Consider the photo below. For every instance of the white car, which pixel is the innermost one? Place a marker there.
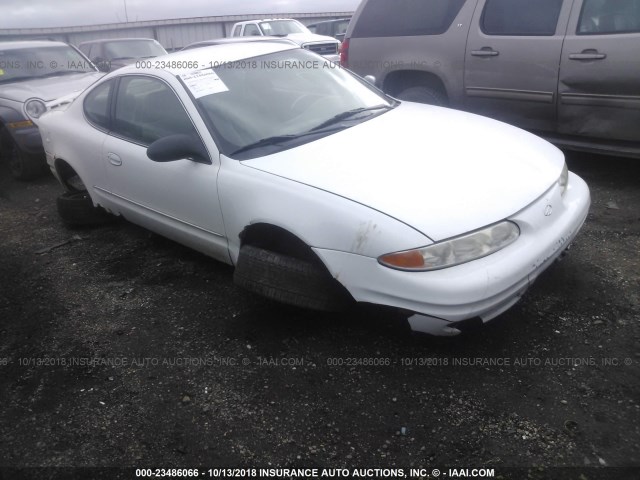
(316, 186)
(293, 30)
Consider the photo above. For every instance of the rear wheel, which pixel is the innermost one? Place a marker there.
(76, 209)
(423, 94)
(289, 280)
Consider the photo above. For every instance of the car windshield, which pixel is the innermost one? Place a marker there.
(281, 27)
(133, 49)
(29, 63)
(274, 102)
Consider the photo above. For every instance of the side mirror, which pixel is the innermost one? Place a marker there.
(178, 147)
(370, 79)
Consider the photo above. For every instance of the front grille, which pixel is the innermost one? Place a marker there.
(322, 48)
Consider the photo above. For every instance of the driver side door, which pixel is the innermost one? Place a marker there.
(177, 199)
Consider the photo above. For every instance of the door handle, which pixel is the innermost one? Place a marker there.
(587, 55)
(485, 52)
(114, 159)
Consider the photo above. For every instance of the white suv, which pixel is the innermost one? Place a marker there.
(328, 47)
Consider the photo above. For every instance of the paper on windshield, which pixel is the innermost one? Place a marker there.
(203, 83)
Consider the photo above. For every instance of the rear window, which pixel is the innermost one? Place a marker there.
(399, 18)
(521, 17)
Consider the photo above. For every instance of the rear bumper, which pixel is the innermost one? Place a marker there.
(482, 288)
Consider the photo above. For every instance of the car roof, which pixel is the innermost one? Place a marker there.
(265, 20)
(335, 20)
(31, 44)
(204, 57)
(109, 40)
(222, 41)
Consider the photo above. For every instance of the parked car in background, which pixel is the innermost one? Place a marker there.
(316, 186)
(223, 41)
(33, 73)
(323, 45)
(111, 54)
(566, 69)
(332, 28)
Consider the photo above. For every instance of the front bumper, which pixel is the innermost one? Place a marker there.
(482, 288)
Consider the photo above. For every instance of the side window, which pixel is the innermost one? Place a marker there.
(97, 104)
(236, 31)
(251, 30)
(147, 109)
(384, 18)
(521, 17)
(609, 16)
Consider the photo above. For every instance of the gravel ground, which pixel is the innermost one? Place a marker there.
(121, 348)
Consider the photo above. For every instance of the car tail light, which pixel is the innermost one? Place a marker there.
(344, 54)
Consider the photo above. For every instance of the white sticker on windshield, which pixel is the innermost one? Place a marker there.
(203, 83)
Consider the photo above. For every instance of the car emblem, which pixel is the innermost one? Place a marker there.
(548, 210)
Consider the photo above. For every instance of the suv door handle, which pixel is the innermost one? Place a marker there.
(485, 52)
(590, 54)
(114, 159)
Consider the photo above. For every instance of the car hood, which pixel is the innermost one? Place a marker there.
(304, 38)
(441, 171)
(49, 88)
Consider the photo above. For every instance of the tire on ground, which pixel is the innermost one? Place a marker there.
(289, 280)
(76, 209)
(422, 94)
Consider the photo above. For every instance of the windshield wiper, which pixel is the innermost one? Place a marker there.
(278, 140)
(349, 113)
(21, 78)
(124, 58)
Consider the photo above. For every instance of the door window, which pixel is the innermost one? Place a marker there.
(382, 18)
(609, 16)
(251, 30)
(521, 17)
(147, 110)
(97, 103)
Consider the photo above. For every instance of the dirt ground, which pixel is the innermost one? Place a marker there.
(121, 348)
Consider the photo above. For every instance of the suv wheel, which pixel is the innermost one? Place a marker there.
(423, 95)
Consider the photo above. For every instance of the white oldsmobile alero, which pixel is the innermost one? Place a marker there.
(316, 186)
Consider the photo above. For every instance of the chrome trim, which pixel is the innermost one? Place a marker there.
(600, 100)
(509, 94)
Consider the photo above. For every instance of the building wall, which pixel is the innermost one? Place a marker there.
(173, 34)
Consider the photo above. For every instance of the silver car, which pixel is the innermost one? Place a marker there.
(31, 74)
(113, 53)
(566, 69)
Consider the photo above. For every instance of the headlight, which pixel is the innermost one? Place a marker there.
(563, 181)
(34, 108)
(454, 251)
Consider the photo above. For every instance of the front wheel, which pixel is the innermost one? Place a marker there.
(289, 280)
(22, 165)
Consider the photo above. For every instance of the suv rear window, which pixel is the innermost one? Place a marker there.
(399, 18)
(521, 17)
